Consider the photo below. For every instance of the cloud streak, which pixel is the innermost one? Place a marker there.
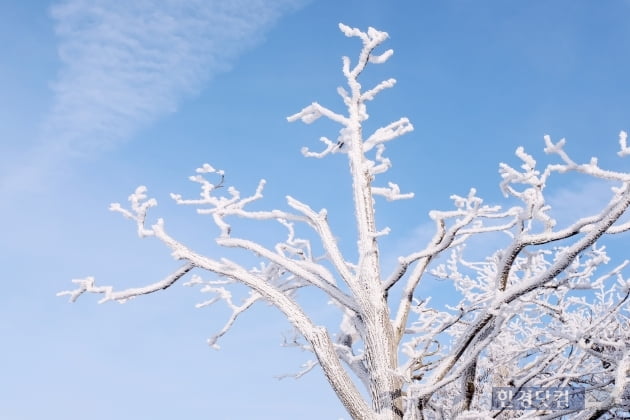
(125, 64)
(571, 203)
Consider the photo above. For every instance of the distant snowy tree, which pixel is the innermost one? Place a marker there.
(540, 311)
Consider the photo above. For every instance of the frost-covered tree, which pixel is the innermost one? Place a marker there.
(540, 311)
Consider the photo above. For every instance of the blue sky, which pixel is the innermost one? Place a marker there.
(98, 97)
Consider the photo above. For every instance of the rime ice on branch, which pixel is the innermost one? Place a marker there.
(522, 320)
(350, 134)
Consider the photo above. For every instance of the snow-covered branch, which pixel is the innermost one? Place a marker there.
(349, 140)
(300, 270)
(87, 285)
(139, 208)
(317, 336)
(539, 310)
(319, 222)
(387, 133)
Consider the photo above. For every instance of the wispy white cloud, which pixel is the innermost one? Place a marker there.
(124, 64)
(570, 203)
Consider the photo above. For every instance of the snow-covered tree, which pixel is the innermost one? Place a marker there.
(540, 311)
